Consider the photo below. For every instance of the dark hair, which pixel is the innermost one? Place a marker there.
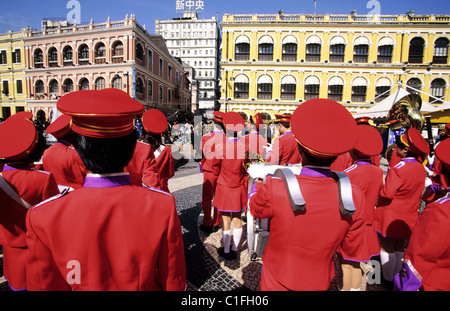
(154, 140)
(285, 124)
(106, 155)
(312, 160)
(36, 154)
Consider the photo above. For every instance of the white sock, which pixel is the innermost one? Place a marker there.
(399, 261)
(226, 238)
(355, 289)
(237, 234)
(388, 263)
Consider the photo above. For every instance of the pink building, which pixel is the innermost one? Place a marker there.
(118, 54)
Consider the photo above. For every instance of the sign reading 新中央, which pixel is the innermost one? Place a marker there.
(190, 5)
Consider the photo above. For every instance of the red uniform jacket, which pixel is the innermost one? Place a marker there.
(142, 167)
(284, 150)
(33, 187)
(230, 195)
(65, 164)
(208, 144)
(369, 178)
(108, 235)
(255, 142)
(299, 254)
(165, 166)
(429, 249)
(397, 208)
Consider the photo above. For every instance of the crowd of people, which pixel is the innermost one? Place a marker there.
(65, 209)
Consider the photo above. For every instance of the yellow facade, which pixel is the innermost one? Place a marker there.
(12, 74)
(340, 77)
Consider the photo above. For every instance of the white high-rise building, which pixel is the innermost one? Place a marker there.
(197, 42)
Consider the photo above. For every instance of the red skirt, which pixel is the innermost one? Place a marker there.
(228, 199)
(394, 225)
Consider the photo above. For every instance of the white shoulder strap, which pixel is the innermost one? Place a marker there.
(346, 204)
(294, 193)
(158, 151)
(10, 192)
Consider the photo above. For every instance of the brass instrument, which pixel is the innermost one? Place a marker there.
(406, 113)
(251, 157)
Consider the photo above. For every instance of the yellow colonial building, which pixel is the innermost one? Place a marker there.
(272, 63)
(13, 91)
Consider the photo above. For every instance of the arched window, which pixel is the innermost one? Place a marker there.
(416, 50)
(265, 48)
(289, 49)
(53, 57)
(414, 85)
(117, 83)
(68, 56)
(68, 86)
(53, 87)
(117, 52)
(84, 84)
(359, 89)
(337, 50)
(335, 88)
(139, 86)
(241, 87)
(242, 51)
(265, 85)
(38, 58)
(139, 55)
(100, 53)
(361, 50)
(312, 87)
(39, 87)
(313, 49)
(440, 51)
(437, 90)
(288, 87)
(100, 83)
(382, 87)
(83, 55)
(385, 49)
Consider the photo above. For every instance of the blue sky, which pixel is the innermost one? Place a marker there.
(17, 14)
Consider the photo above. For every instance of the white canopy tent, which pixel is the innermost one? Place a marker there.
(381, 109)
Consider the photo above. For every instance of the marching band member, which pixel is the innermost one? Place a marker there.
(301, 246)
(399, 202)
(369, 178)
(284, 148)
(61, 159)
(254, 141)
(21, 187)
(109, 234)
(155, 124)
(426, 265)
(210, 169)
(230, 195)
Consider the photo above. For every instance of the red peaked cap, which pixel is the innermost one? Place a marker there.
(154, 121)
(22, 114)
(415, 142)
(218, 116)
(283, 118)
(60, 127)
(369, 142)
(18, 138)
(258, 120)
(443, 153)
(324, 128)
(233, 121)
(107, 113)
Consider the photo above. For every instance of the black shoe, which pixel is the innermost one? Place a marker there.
(227, 256)
(206, 229)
